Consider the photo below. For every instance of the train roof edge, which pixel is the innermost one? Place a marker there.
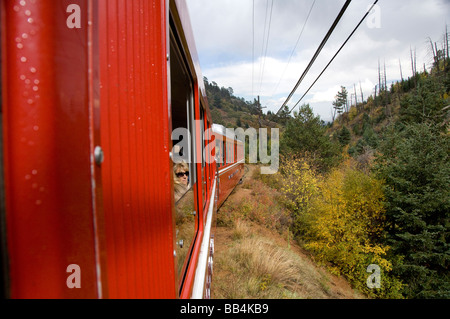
(183, 17)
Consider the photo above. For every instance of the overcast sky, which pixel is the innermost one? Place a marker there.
(223, 31)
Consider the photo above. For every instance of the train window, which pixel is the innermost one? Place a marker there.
(202, 143)
(224, 158)
(240, 151)
(219, 151)
(184, 169)
(230, 151)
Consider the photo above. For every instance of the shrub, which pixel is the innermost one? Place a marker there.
(347, 227)
(340, 218)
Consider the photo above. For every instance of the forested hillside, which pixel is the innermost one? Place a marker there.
(234, 112)
(373, 187)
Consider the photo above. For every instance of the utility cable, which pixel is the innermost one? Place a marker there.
(253, 51)
(267, 45)
(324, 41)
(342, 46)
(295, 47)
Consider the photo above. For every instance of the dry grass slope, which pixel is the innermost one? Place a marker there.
(255, 258)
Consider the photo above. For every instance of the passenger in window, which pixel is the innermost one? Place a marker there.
(181, 178)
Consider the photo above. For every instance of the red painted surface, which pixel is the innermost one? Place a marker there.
(66, 91)
(228, 180)
(137, 189)
(231, 172)
(48, 138)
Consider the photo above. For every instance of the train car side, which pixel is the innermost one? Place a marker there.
(230, 161)
(87, 117)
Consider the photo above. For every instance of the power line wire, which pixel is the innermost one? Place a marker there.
(253, 51)
(342, 46)
(295, 47)
(266, 44)
(324, 41)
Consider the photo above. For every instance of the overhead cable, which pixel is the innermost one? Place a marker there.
(253, 50)
(295, 47)
(324, 41)
(342, 46)
(266, 44)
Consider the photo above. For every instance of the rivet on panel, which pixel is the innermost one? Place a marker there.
(98, 155)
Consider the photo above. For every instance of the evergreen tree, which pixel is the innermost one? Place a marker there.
(305, 134)
(340, 104)
(416, 169)
(284, 115)
(344, 136)
(426, 103)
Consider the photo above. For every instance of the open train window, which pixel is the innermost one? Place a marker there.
(224, 158)
(230, 151)
(183, 155)
(219, 151)
(202, 143)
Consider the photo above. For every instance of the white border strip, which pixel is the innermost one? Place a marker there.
(228, 168)
(200, 273)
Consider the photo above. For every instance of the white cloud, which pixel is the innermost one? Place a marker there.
(223, 32)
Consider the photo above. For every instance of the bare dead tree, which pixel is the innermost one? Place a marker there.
(362, 94)
(379, 76)
(446, 41)
(432, 51)
(400, 64)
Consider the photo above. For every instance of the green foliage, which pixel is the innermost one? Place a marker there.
(340, 103)
(340, 218)
(299, 186)
(305, 134)
(232, 111)
(425, 105)
(344, 136)
(414, 163)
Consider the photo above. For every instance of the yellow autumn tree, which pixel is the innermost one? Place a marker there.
(299, 186)
(346, 228)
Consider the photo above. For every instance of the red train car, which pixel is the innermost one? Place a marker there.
(91, 93)
(230, 161)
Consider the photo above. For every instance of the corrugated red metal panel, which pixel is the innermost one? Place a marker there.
(49, 213)
(228, 179)
(138, 200)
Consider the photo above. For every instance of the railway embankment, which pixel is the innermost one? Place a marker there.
(256, 257)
